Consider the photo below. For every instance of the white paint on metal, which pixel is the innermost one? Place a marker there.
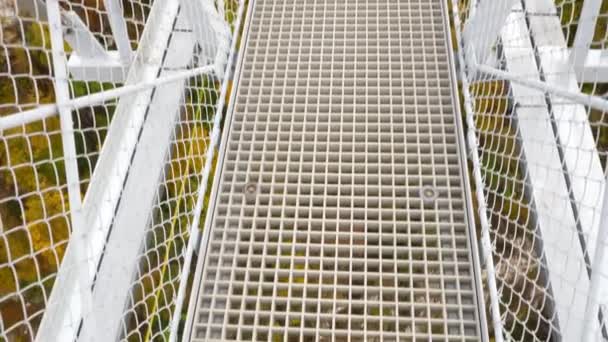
(549, 188)
(201, 247)
(482, 211)
(577, 97)
(595, 69)
(44, 111)
(194, 228)
(119, 30)
(488, 17)
(89, 60)
(142, 157)
(107, 181)
(109, 68)
(578, 143)
(551, 192)
(580, 154)
(596, 292)
(585, 32)
(65, 305)
(34, 8)
(211, 32)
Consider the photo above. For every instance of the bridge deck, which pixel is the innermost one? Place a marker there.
(341, 211)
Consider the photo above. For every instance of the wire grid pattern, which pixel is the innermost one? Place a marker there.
(34, 212)
(31, 178)
(153, 295)
(343, 117)
(95, 17)
(91, 123)
(35, 219)
(543, 166)
(154, 289)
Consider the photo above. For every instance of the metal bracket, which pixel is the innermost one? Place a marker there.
(90, 61)
(490, 17)
(211, 33)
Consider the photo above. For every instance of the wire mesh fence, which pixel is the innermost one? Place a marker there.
(535, 86)
(118, 99)
(154, 290)
(537, 108)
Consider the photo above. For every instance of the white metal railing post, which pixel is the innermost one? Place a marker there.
(472, 144)
(593, 300)
(62, 95)
(194, 230)
(584, 34)
(221, 8)
(119, 30)
(488, 16)
(53, 325)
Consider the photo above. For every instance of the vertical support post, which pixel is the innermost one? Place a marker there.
(63, 314)
(584, 34)
(119, 30)
(593, 300)
(489, 17)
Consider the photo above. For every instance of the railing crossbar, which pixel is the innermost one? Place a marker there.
(45, 111)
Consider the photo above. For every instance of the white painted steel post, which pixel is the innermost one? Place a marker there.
(472, 144)
(593, 300)
(62, 319)
(489, 17)
(584, 34)
(221, 8)
(210, 30)
(45, 111)
(62, 95)
(119, 30)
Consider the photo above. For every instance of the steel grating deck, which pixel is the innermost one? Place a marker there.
(340, 212)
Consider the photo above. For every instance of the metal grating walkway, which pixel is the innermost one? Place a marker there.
(340, 212)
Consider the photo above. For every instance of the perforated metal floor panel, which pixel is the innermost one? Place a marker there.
(340, 212)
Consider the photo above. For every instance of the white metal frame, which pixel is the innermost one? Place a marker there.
(73, 271)
(72, 298)
(119, 30)
(472, 144)
(584, 37)
(547, 67)
(546, 178)
(195, 237)
(90, 61)
(127, 173)
(561, 84)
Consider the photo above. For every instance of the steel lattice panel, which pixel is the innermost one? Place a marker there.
(343, 116)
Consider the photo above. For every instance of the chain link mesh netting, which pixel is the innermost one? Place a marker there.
(542, 156)
(35, 218)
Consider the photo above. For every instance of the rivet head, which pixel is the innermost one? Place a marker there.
(250, 191)
(429, 195)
